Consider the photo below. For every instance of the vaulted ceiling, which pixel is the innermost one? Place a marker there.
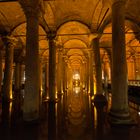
(73, 21)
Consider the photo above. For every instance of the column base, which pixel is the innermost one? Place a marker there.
(120, 117)
(100, 100)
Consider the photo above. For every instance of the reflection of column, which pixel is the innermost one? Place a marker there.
(7, 82)
(1, 69)
(119, 113)
(52, 67)
(32, 83)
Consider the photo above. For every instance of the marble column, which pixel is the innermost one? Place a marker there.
(52, 67)
(99, 99)
(8, 73)
(119, 112)
(32, 83)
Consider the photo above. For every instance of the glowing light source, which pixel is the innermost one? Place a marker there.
(76, 76)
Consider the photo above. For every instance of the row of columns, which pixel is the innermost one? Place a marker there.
(119, 110)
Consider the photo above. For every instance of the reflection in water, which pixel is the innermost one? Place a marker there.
(52, 121)
(76, 117)
(72, 118)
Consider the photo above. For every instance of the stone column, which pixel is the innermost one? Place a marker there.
(91, 74)
(17, 77)
(60, 90)
(105, 79)
(1, 69)
(83, 73)
(119, 113)
(46, 81)
(63, 76)
(87, 75)
(41, 81)
(32, 83)
(99, 98)
(17, 87)
(52, 67)
(7, 82)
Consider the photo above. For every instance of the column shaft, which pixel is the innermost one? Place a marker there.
(59, 72)
(46, 80)
(91, 74)
(98, 70)
(119, 110)
(31, 97)
(52, 68)
(17, 77)
(7, 82)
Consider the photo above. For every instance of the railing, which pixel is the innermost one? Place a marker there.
(134, 82)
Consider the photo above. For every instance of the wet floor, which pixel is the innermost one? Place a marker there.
(73, 117)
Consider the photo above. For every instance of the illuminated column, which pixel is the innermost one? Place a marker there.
(105, 79)
(40, 79)
(7, 82)
(32, 83)
(52, 67)
(60, 91)
(99, 97)
(46, 81)
(22, 75)
(119, 113)
(63, 76)
(87, 75)
(1, 69)
(83, 73)
(91, 74)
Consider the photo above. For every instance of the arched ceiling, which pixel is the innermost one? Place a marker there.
(73, 21)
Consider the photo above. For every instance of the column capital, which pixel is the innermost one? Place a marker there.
(32, 8)
(9, 41)
(51, 35)
(92, 37)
